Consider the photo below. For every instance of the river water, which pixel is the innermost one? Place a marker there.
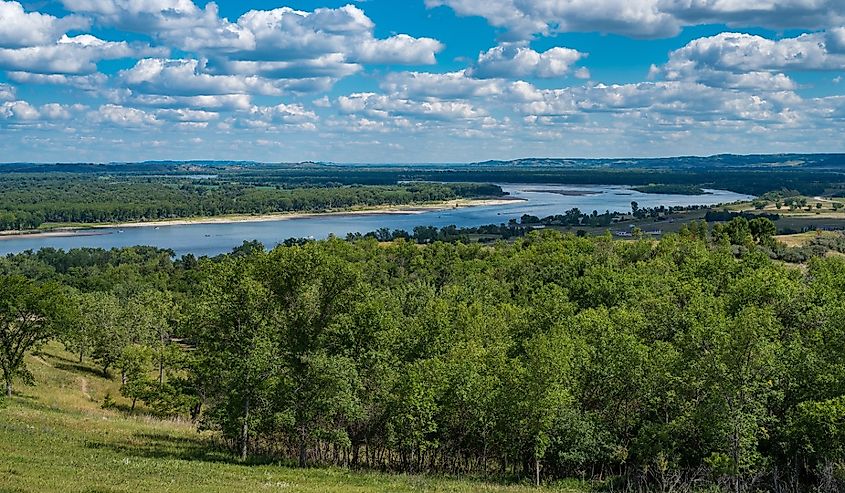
(214, 239)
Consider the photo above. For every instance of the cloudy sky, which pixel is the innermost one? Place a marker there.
(418, 80)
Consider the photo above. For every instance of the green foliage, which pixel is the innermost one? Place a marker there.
(30, 314)
(692, 359)
(135, 366)
(102, 317)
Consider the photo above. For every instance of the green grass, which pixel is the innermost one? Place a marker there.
(55, 437)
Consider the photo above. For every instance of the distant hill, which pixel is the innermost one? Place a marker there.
(720, 161)
(817, 161)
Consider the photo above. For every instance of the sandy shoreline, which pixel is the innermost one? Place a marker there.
(282, 216)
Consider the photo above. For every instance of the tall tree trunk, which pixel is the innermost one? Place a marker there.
(161, 362)
(302, 450)
(537, 472)
(81, 354)
(8, 386)
(195, 412)
(245, 431)
(134, 399)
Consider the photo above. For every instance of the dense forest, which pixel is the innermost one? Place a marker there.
(687, 363)
(28, 201)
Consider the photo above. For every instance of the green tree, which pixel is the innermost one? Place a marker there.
(78, 337)
(312, 287)
(762, 229)
(102, 316)
(135, 364)
(29, 316)
(237, 350)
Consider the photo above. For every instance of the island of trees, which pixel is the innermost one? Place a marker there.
(30, 201)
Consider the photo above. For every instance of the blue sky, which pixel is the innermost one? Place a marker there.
(418, 80)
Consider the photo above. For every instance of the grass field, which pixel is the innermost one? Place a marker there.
(803, 239)
(55, 437)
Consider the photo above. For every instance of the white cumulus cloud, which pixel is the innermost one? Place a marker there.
(70, 55)
(19, 28)
(645, 18)
(512, 60)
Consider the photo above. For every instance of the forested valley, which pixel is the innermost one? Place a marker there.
(692, 363)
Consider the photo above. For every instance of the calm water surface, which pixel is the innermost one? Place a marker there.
(214, 239)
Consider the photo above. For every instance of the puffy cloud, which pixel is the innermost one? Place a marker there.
(177, 22)
(523, 18)
(7, 92)
(224, 102)
(745, 53)
(453, 85)
(55, 111)
(382, 106)
(184, 115)
(281, 115)
(518, 60)
(186, 77)
(645, 18)
(19, 111)
(691, 101)
(284, 113)
(19, 28)
(399, 49)
(122, 116)
(747, 61)
(582, 73)
(70, 55)
(331, 65)
(22, 112)
(341, 36)
(325, 42)
(90, 82)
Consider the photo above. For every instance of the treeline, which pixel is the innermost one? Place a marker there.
(516, 228)
(726, 215)
(650, 174)
(671, 189)
(752, 181)
(692, 362)
(27, 202)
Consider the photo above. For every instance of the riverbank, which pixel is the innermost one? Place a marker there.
(92, 229)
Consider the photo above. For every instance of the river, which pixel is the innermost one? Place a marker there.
(214, 239)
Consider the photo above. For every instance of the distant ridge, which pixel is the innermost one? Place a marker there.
(745, 161)
(820, 161)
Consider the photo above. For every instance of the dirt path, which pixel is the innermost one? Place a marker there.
(43, 361)
(84, 384)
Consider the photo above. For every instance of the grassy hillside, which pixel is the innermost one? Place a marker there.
(55, 436)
